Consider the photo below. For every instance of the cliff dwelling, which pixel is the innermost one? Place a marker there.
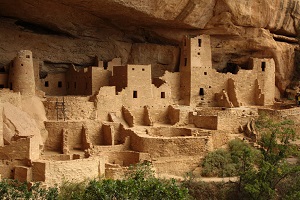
(97, 120)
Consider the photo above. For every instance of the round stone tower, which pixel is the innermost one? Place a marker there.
(21, 73)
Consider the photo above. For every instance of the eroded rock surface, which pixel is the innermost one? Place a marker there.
(18, 124)
(63, 32)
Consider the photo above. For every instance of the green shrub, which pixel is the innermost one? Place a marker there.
(12, 189)
(218, 163)
(229, 162)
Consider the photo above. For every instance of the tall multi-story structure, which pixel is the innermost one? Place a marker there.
(21, 74)
(201, 85)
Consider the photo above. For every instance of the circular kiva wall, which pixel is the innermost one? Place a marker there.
(21, 73)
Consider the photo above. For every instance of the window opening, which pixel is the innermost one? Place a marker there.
(201, 92)
(199, 42)
(263, 66)
(46, 83)
(185, 61)
(162, 95)
(205, 73)
(134, 94)
(132, 69)
(105, 65)
(21, 64)
(27, 56)
(59, 84)
(143, 69)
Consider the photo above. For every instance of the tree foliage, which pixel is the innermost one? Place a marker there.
(261, 181)
(264, 173)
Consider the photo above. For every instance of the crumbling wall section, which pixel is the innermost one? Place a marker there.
(173, 80)
(127, 115)
(55, 135)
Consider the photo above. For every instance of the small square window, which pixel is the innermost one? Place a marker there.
(27, 56)
(162, 95)
(143, 69)
(46, 83)
(205, 73)
(132, 69)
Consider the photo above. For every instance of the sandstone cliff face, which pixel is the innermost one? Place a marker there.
(60, 32)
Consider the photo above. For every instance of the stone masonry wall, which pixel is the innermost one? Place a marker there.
(55, 172)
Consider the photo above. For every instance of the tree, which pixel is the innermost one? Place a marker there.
(260, 181)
